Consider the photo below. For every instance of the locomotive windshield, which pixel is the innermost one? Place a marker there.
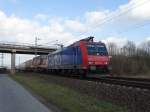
(97, 49)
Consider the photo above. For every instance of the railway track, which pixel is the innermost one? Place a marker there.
(141, 83)
(124, 81)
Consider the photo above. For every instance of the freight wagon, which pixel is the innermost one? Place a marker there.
(26, 66)
(40, 63)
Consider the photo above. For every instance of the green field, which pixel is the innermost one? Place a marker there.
(64, 98)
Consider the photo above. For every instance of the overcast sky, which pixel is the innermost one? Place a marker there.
(70, 20)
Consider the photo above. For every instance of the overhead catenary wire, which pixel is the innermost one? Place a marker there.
(112, 17)
(136, 26)
(50, 42)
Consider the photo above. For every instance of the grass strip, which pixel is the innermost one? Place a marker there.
(67, 99)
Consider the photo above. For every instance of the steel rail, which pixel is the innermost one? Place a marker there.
(131, 78)
(128, 82)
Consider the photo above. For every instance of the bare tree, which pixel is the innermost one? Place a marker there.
(144, 49)
(112, 48)
(129, 48)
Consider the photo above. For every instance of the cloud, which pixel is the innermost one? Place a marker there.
(16, 29)
(136, 9)
(94, 18)
(76, 26)
(41, 17)
(141, 10)
(117, 40)
(21, 30)
(148, 39)
(13, 28)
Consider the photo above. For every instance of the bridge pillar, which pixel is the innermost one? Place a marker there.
(13, 60)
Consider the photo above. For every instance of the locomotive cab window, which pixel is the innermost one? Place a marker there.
(97, 49)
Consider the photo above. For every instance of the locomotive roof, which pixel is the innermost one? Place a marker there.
(87, 40)
(58, 50)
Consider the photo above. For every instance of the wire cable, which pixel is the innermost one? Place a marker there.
(110, 18)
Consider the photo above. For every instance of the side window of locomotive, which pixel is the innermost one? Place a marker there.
(102, 50)
(91, 49)
(96, 49)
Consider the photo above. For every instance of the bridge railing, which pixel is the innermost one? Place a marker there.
(25, 45)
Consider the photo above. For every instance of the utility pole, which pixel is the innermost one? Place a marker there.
(36, 44)
(19, 60)
(2, 59)
(60, 45)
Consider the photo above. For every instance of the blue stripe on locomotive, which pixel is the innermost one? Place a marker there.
(66, 58)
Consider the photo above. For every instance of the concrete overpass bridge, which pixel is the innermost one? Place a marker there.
(14, 49)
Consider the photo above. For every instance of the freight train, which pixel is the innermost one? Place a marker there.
(81, 58)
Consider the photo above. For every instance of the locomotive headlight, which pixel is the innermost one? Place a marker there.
(90, 62)
(106, 62)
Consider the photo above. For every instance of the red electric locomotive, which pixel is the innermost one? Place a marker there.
(82, 57)
(95, 56)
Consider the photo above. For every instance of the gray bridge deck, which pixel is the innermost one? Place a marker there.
(25, 49)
